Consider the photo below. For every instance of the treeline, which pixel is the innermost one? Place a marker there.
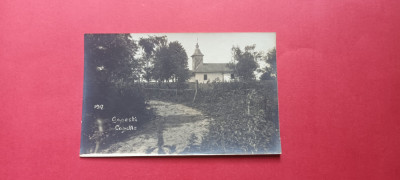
(120, 59)
(164, 61)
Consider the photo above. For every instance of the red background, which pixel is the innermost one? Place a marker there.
(338, 80)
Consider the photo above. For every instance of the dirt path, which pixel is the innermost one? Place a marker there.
(177, 129)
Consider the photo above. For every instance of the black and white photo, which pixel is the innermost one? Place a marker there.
(163, 94)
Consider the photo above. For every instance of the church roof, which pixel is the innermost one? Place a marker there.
(213, 68)
(197, 51)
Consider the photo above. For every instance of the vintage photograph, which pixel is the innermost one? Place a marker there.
(166, 94)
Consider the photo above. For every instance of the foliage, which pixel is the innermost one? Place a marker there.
(164, 61)
(245, 62)
(266, 76)
(149, 46)
(163, 65)
(171, 62)
(232, 128)
(151, 43)
(270, 58)
(110, 69)
(180, 62)
(110, 58)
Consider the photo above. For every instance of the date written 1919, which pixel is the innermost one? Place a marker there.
(99, 106)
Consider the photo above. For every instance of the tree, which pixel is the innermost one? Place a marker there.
(180, 62)
(245, 62)
(171, 62)
(163, 64)
(270, 59)
(110, 58)
(149, 46)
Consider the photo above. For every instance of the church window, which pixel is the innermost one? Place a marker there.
(205, 76)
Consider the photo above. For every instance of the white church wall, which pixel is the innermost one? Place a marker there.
(211, 77)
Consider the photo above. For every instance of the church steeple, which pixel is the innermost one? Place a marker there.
(197, 57)
(197, 51)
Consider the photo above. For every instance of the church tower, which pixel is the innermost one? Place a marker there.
(197, 57)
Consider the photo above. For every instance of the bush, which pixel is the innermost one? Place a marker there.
(233, 129)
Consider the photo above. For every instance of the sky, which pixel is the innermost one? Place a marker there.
(216, 47)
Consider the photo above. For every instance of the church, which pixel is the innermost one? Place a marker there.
(209, 72)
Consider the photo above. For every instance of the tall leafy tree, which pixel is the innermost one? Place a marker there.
(149, 46)
(180, 62)
(171, 63)
(163, 64)
(245, 62)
